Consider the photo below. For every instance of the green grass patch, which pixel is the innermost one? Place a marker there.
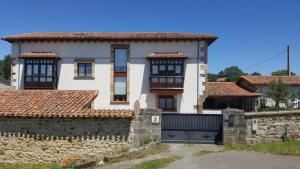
(160, 148)
(282, 148)
(157, 163)
(202, 153)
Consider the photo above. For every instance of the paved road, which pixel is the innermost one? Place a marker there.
(238, 160)
(218, 160)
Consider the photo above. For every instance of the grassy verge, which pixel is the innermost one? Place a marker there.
(157, 163)
(282, 148)
(153, 150)
(202, 153)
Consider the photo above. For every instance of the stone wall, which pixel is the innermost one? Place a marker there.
(234, 126)
(31, 140)
(144, 129)
(272, 126)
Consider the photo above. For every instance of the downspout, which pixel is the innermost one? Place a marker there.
(198, 57)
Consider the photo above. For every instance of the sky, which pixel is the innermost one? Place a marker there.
(253, 34)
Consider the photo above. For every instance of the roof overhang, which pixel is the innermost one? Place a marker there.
(48, 55)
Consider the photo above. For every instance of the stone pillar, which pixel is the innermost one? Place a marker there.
(234, 126)
(146, 127)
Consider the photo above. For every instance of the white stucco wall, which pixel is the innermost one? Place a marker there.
(139, 70)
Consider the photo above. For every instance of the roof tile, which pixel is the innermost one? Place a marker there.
(227, 89)
(54, 103)
(110, 36)
(264, 80)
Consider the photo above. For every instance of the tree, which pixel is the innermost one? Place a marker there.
(212, 77)
(256, 74)
(279, 92)
(233, 73)
(6, 67)
(282, 72)
(221, 74)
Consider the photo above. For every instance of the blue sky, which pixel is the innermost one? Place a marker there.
(249, 32)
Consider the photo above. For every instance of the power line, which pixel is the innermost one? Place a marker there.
(266, 60)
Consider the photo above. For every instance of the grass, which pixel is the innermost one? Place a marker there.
(282, 148)
(141, 154)
(202, 153)
(157, 163)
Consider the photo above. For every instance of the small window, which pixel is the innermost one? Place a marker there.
(84, 69)
(167, 103)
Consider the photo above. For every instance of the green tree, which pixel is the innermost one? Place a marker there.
(282, 72)
(233, 73)
(221, 74)
(256, 74)
(212, 77)
(6, 67)
(279, 92)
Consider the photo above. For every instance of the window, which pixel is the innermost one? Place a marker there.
(120, 89)
(120, 60)
(40, 73)
(166, 103)
(84, 69)
(120, 73)
(166, 73)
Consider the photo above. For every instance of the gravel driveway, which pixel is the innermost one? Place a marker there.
(218, 160)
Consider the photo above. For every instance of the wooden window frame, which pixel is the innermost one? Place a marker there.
(39, 84)
(166, 74)
(119, 73)
(174, 103)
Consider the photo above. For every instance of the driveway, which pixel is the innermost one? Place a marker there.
(218, 160)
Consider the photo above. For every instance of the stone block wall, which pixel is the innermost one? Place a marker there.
(234, 126)
(32, 140)
(272, 126)
(46, 140)
(144, 130)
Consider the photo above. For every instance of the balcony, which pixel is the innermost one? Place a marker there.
(166, 82)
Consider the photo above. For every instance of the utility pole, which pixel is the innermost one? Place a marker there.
(288, 61)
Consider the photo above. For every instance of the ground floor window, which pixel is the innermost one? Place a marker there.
(166, 102)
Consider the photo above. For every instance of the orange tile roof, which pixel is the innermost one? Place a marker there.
(53, 103)
(227, 89)
(264, 80)
(166, 36)
(39, 55)
(167, 55)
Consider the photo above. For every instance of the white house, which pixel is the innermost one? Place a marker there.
(259, 84)
(162, 70)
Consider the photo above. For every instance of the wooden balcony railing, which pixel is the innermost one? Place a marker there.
(165, 82)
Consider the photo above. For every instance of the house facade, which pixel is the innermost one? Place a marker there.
(260, 84)
(160, 70)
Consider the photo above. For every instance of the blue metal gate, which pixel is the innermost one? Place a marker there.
(192, 128)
